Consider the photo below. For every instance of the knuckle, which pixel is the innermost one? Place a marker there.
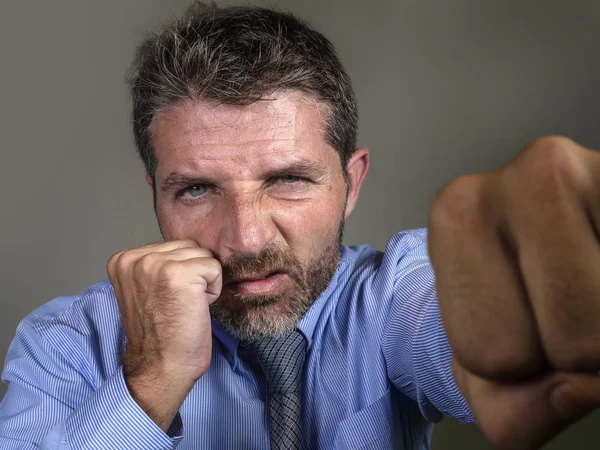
(553, 142)
(458, 203)
(207, 253)
(201, 252)
(553, 163)
(122, 262)
(169, 271)
(212, 270)
(113, 258)
(145, 265)
(112, 262)
(189, 243)
(213, 264)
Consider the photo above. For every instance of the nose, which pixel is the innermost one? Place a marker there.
(247, 228)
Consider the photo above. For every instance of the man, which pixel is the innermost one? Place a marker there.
(252, 326)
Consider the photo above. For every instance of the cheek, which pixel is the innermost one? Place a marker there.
(180, 222)
(309, 225)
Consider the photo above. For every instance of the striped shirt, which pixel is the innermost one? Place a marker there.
(377, 373)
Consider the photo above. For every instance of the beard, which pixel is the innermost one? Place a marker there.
(251, 318)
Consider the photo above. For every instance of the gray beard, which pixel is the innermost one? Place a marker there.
(252, 318)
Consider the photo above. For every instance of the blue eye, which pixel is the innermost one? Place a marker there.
(197, 190)
(289, 179)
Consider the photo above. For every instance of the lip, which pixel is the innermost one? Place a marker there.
(258, 286)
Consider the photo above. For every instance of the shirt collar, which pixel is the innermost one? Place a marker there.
(228, 340)
(306, 325)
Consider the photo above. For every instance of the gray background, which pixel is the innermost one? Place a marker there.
(445, 87)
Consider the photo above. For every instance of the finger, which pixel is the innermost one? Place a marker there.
(179, 254)
(128, 257)
(525, 415)
(576, 395)
(591, 187)
(111, 270)
(203, 270)
(481, 296)
(163, 265)
(120, 263)
(515, 416)
(545, 216)
(167, 246)
(123, 262)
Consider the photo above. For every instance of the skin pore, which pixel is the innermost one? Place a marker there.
(259, 187)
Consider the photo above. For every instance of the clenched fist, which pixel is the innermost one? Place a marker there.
(164, 292)
(516, 254)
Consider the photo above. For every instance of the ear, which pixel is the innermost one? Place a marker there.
(358, 167)
(150, 182)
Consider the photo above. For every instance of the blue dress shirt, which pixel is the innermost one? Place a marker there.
(377, 374)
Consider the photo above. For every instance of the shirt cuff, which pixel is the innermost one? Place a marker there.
(110, 419)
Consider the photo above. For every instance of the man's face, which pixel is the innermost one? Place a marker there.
(259, 187)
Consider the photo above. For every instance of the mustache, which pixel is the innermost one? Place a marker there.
(273, 258)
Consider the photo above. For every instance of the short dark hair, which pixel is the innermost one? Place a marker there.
(239, 55)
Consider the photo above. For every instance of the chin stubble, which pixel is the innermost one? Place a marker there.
(254, 317)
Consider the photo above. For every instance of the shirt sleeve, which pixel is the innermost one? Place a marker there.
(414, 342)
(51, 403)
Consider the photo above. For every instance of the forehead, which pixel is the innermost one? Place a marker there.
(203, 135)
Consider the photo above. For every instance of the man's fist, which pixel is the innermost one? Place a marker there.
(517, 259)
(164, 292)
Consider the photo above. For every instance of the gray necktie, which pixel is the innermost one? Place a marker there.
(281, 360)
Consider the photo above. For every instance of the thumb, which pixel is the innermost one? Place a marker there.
(576, 395)
(526, 414)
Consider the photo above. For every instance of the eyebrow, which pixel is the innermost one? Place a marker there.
(302, 168)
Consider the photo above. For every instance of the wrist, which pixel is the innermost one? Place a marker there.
(137, 365)
(158, 394)
(158, 381)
